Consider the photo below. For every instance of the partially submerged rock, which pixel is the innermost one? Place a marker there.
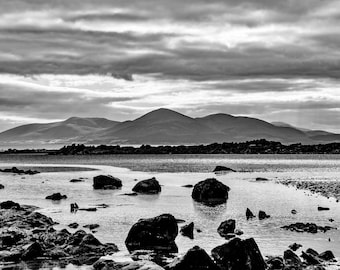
(263, 215)
(148, 186)
(249, 214)
(106, 182)
(2, 186)
(226, 228)
(56, 197)
(188, 230)
(321, 208)
(239, 254)
(261, 179)
(158, 233)
(77, 180)
(103, 264)
(91, 226)
(9, 205)
(295, 246)
(210, 192)
(73, 225)
(223, 169)
(195, 259)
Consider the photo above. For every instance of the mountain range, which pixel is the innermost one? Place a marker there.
(163, 126)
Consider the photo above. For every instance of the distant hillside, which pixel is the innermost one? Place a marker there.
(164, 126)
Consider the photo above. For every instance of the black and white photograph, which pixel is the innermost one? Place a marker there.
(169, 134)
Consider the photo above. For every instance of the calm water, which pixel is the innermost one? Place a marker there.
(173, 171)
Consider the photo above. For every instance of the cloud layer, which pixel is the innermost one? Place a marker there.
(276, 60)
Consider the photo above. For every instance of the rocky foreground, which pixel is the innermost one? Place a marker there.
(27, 236)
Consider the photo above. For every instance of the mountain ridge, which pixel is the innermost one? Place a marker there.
(164, 126)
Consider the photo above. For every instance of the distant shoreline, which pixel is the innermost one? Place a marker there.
(250, 147)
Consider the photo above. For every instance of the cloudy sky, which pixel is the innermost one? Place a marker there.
(274, 60)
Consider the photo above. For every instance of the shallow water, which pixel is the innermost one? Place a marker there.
(277, 200)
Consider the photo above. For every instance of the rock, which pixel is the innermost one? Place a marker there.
(130, 194)
(76, 180)
(32, 251)
(275, 263)
(188, 186)
(291, 259)
(89, 239)
(73, 225)
(226, 227)
(188, 230)
(156, 233)
(2, 186)
(312, 252)
(295, 246)
(223, 169)
(56, 197)
(195, 259)
(239, 254)
(89, 209)
(310, 259)
(210, 192)
(103, 264)
(9, 205)
(238, 232)
(249, 214)
(320, 208)
(327, 255)
(261, 179)
(294, 212)
(306, 227)
(106, 182)
(91, 226)
(263, 215)
(148, 186)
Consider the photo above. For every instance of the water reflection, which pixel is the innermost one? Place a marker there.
(210, 212)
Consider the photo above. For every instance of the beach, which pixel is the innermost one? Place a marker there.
(173, 172)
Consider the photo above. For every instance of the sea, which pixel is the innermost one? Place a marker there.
(174, 171)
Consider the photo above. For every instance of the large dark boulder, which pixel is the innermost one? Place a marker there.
(106, 182)
(291, 259)
(156, 234)
(148, 186)
(226, 227)
(195, 259)
(9, 205)
(2, 186)
(239, 254)
(263, 215)
(249, 214)
(223, 169)
(327, 255)
(210, 192)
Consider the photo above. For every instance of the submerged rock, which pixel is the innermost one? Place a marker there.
(56, 197)
(195, 259)
(106, 182)
(156, 233)
(210, 192)
(239, 254)
(188, 230)
(148, 186)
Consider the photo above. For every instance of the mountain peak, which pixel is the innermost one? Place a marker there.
(163, 114)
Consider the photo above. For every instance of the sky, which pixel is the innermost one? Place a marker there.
(119, 59)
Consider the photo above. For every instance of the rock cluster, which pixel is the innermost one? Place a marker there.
(307, 227)
(27, 235)
(18, 171)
